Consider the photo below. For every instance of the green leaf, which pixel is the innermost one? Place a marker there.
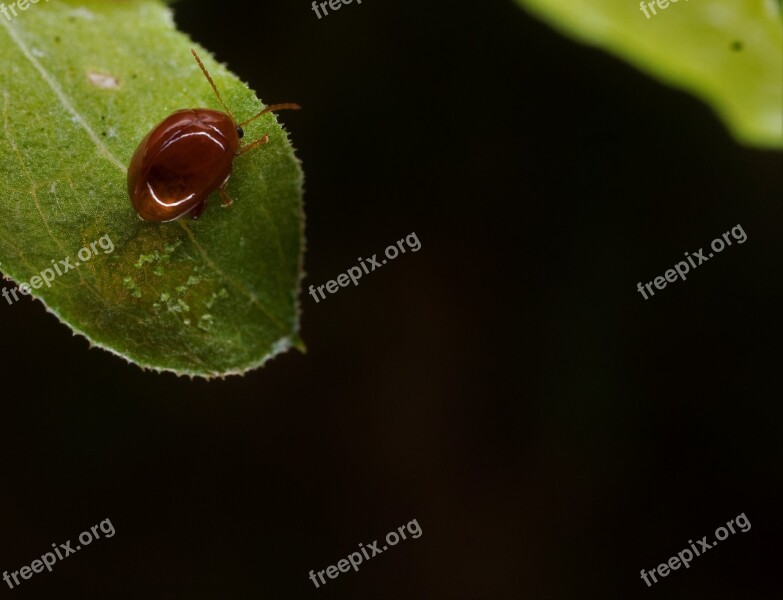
(727, 52)
(81, 84)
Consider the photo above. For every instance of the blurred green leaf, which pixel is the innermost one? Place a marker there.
(727, 52)
(81, 83)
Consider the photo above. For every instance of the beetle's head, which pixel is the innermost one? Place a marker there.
(240, 132)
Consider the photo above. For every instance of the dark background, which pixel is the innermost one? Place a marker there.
(507, 386)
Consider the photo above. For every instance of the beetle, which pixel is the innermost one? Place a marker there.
(188, 156)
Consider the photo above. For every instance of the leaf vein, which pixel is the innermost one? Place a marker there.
(102, 149)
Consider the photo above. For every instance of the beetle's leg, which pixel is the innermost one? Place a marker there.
(227, 201)
(223, 193)
(253, 145)
(195, 213)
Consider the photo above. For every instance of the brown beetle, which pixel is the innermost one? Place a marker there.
(187, 157)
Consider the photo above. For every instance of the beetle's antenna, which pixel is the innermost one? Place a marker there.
(273, 108)
(212, 83)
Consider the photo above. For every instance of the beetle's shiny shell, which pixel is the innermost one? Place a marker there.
(181, 162)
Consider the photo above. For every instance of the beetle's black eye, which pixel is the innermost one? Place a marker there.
(240, 132)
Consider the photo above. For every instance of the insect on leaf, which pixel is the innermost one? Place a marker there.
(82, 82)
